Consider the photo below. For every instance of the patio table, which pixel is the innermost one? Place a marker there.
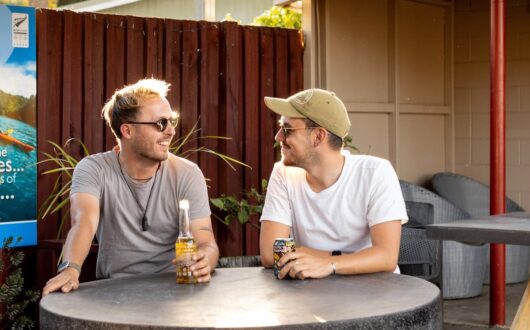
(247, 298)
(509, 228)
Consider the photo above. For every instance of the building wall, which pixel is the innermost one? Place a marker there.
(390, 61)
(241, 10)
(472, 103)
(176, 9)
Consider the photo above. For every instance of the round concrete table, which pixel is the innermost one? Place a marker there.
(247, 298)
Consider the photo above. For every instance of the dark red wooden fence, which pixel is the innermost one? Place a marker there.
(219, 74)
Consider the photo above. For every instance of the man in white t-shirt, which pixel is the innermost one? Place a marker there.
(344, 211)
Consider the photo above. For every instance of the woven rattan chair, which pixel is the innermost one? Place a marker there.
(463, 264)
(474, 198)
(419, 256)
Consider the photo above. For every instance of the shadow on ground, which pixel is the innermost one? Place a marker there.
(473, 313)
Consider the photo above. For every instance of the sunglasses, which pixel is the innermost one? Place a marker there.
(161, 124)
(286, 131)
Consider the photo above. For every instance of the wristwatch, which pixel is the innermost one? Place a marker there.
(336, 253)
(68, 264)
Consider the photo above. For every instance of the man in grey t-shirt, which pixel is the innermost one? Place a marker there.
(128, 197)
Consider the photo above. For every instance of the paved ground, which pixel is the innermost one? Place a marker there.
(473, 313)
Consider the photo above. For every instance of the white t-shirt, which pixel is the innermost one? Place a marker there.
(338, 218)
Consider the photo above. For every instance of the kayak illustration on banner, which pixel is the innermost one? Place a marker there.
(19, 144)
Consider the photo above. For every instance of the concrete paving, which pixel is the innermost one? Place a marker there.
(473, 313)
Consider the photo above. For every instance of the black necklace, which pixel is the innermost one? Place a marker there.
(144, 223)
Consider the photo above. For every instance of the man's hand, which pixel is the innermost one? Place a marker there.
(201, 267)
(304, 265)
(66, 281)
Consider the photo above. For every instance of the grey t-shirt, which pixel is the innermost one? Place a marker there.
(124, 248)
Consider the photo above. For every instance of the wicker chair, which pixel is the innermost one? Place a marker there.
(419, 256)
(474, 198)
(463, 264)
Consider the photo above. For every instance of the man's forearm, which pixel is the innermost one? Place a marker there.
(370, 260)
(77, 245)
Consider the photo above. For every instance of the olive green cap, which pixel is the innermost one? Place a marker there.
(321, 106)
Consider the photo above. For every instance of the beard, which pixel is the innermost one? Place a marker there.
(300, 157)
(154, 156)
(150, 152)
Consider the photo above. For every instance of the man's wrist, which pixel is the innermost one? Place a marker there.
(68, 264)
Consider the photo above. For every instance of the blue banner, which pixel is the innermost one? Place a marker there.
(18, 124)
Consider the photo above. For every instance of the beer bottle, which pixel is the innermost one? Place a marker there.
(185, 246)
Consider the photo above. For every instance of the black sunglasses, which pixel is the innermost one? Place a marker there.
(286, 130)
(161, 124)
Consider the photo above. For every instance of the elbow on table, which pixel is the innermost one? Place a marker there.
(390, 263)
(390, 267)
(267, 260)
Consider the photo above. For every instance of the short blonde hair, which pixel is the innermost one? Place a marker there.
(123, 106)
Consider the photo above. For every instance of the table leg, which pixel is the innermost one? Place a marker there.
(522, 317)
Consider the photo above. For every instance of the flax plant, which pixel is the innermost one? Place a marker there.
(64, 164)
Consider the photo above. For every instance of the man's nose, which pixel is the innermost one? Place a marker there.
(170, 130)
(279, 136)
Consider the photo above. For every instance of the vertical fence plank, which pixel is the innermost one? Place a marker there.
(296, 69)
(72, 79)
(155, 48)
(281, 60)
(173, 64)
(93, 83)
(49, 87)
(114, 62)
(209, 106)
(135, 61)
(252, 128)
(72, 84)
(190, 81)
(267, 118)
(232, 119)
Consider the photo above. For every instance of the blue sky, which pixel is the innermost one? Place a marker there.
(18, 69)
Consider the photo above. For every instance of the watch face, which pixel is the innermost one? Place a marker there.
(62, 266)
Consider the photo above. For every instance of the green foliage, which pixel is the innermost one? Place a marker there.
(63, 165)
(230, 18)
(12, 293)
(18, 107)
(348, 143)
(241, 209)
(51, 3)
(178, 147)
(279, 17)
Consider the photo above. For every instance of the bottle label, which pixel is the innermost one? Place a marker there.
(185, 247)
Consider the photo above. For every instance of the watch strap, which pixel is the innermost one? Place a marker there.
(336, 253)
(68, 264)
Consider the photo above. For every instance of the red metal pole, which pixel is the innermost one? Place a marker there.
(497, 158)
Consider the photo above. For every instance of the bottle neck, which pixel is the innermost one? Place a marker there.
(184, 223)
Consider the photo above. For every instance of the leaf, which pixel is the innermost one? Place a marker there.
(264, 184)
(218, 202)
(228, 219)
(242, 216)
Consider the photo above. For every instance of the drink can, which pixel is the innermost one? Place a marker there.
(281, 246)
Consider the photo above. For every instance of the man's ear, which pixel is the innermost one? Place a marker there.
(320, 136)
(125, 131)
